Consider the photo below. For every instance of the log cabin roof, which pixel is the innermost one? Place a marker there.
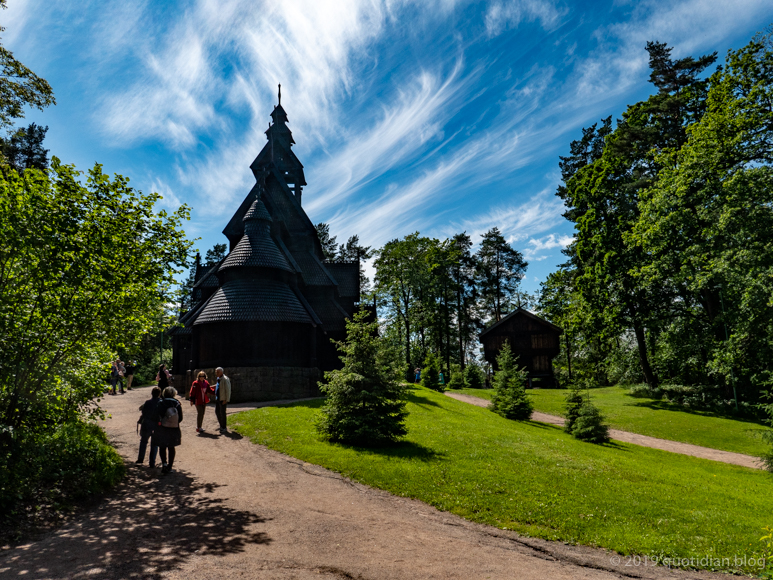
(522, 312)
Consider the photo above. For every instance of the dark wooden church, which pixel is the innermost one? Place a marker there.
(267, 311)
(533, 340)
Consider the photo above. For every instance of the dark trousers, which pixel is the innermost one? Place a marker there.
(162, 451)
(144, 436)
(220, 409)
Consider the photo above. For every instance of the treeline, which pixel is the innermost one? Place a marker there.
(435, 296)
(669, 279)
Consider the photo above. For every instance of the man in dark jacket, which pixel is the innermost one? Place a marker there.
(147, 425)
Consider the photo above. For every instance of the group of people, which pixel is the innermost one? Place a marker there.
(163, 413)
(119, 371)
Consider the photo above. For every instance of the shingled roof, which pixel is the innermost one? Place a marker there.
(254, 300)
(347, 275)
(256, 248)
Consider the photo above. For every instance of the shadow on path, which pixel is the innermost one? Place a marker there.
(150, 525)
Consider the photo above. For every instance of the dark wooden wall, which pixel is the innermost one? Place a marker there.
(535, 344)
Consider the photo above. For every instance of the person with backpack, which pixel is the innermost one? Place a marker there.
(147, 425)
(199, 396)
(167, 434)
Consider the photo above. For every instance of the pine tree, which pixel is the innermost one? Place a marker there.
(456, 381)
(574, 402)
(328, 242)
(589, 425)
(510, 399)
(473, 377)
(430, 374)
(365, 404)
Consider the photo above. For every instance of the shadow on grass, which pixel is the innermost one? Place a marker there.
(659, 405)
(416, 398)
(148, 526)
(400, 450)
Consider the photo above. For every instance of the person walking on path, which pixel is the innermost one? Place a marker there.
(417, 372)
(131, 368)
(222, 396)
(199, 396)
(163, 377)
(167, 435)
(116, 376)
(147, 425)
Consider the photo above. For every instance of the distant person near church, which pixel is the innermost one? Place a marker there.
(167, 434)
(147, 425)
(131, 368)
(199, 396)
(222, 396)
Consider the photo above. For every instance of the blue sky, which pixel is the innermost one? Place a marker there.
(439, 116)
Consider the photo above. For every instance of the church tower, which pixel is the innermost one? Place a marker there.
(268, 311)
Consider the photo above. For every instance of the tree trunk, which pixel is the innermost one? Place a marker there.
(641, 343)
(459, 325)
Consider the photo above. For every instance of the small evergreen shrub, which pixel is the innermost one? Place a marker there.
(430, 374)
(365, 403)
(457, 378)
(589, 425)
(510, 399)
(573, 403)
(473, 377)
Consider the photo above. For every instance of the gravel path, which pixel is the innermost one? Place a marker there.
(232, 509)
(636, 439)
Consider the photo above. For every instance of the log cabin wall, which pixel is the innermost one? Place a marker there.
(533, 340)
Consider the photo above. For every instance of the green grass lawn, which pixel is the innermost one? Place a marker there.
(656, 418)
(536, 480)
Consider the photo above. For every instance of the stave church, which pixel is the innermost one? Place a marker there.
(266, 313)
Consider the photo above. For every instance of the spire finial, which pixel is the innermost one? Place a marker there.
(280, 93)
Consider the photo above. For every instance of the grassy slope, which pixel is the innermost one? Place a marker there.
(655, 418)
(536, 480)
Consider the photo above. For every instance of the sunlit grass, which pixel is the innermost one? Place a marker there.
(535, 479)
(655, 418)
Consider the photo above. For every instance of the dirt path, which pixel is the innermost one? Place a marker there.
(237, 510)
(636, 439)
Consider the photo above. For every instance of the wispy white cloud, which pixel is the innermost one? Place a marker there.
(506, 14)
(516, 221)
(688, 26)
(168, 198)
(536, 248)
(414, 118)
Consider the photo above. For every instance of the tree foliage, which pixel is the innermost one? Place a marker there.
(365, 404)
(19, 87)
(23, 149)
(500, 269)
(669, 276)
(430, 373)
(436, 295)
(65, 298)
